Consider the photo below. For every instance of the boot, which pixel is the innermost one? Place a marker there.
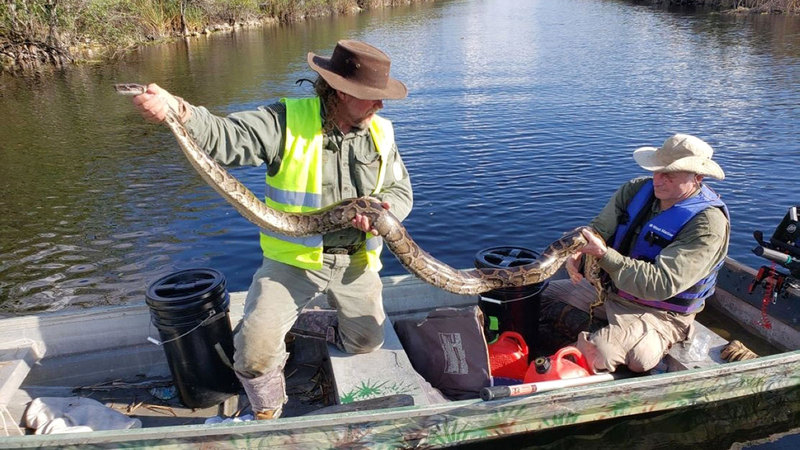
(266, 393)
(736, 351)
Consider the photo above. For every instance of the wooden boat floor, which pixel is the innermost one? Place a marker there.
(308, 385)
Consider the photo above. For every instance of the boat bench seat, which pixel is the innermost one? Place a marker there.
(381, 373)
(15, 363)
(702, 349)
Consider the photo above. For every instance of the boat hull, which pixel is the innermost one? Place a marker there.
(437, 425)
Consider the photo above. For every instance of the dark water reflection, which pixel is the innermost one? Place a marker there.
(730, 424)
(520, 124)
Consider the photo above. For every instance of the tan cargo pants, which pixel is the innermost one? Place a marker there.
(276, 296)
(636, 336)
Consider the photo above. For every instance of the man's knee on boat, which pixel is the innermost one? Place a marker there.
(362, 335)
(647, 353)
(254, 361)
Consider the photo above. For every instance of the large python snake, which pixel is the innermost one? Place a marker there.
(340, 215)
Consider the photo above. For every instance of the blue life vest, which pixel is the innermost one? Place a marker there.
(658, 233)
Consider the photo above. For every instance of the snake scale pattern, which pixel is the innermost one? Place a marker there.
(340, 215)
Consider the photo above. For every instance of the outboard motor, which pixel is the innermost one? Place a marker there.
(783, 249)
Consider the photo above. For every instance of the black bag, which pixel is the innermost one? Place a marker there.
(449, 350)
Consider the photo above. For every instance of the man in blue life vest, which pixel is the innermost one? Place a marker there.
(318, 151)
(664, 239)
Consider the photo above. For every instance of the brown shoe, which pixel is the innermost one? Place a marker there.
(736, 351)
(268, 414)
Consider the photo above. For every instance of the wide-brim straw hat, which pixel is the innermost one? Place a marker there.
(680, 153)
(358, 69)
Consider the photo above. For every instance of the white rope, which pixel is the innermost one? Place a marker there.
(211, 315)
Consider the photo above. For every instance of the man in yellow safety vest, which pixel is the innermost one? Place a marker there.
(318, 151)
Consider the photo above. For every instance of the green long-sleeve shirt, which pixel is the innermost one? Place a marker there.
(697, 248)
(350, 161)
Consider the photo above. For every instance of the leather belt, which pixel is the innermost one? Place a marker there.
(342, 249)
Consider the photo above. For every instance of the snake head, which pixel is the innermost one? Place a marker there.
(130, 88)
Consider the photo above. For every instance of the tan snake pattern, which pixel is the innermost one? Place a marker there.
(340, 215)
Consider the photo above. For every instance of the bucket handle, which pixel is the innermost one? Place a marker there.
(223, 356)
(211, 317)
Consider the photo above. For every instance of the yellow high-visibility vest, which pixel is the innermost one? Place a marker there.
(297, 186)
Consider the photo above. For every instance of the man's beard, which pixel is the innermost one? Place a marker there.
(364, 123)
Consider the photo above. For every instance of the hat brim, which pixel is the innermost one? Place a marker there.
(394, 89)
(646, 158)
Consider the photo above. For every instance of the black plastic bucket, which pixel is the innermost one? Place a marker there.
(190, 310)
(514, 308)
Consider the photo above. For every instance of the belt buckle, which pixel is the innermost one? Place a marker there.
(342, 250)
(337, 251)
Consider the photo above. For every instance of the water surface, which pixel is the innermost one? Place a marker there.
(520, 123)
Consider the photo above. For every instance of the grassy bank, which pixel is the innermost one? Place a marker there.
(37, 34)
(740, 6)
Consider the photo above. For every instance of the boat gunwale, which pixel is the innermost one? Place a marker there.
(782, 366)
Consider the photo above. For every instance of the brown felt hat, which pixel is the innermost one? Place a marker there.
(360, 70)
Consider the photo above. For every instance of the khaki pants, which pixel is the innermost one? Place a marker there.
(637, 336)
(278, 293)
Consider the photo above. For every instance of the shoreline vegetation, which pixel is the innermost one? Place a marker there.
(38, 35)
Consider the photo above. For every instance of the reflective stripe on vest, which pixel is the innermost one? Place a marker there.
(297, 186)
(383, 136)
(658, 233)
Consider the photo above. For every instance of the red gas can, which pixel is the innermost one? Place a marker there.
(568, 362)
(508, 356)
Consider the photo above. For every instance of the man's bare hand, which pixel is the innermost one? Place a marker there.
(573, 265)
(154, 103)
(595, 246)
(362, 222)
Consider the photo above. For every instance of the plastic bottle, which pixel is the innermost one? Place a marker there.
(698, 350)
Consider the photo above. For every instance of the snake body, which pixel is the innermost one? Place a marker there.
(340, 215)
